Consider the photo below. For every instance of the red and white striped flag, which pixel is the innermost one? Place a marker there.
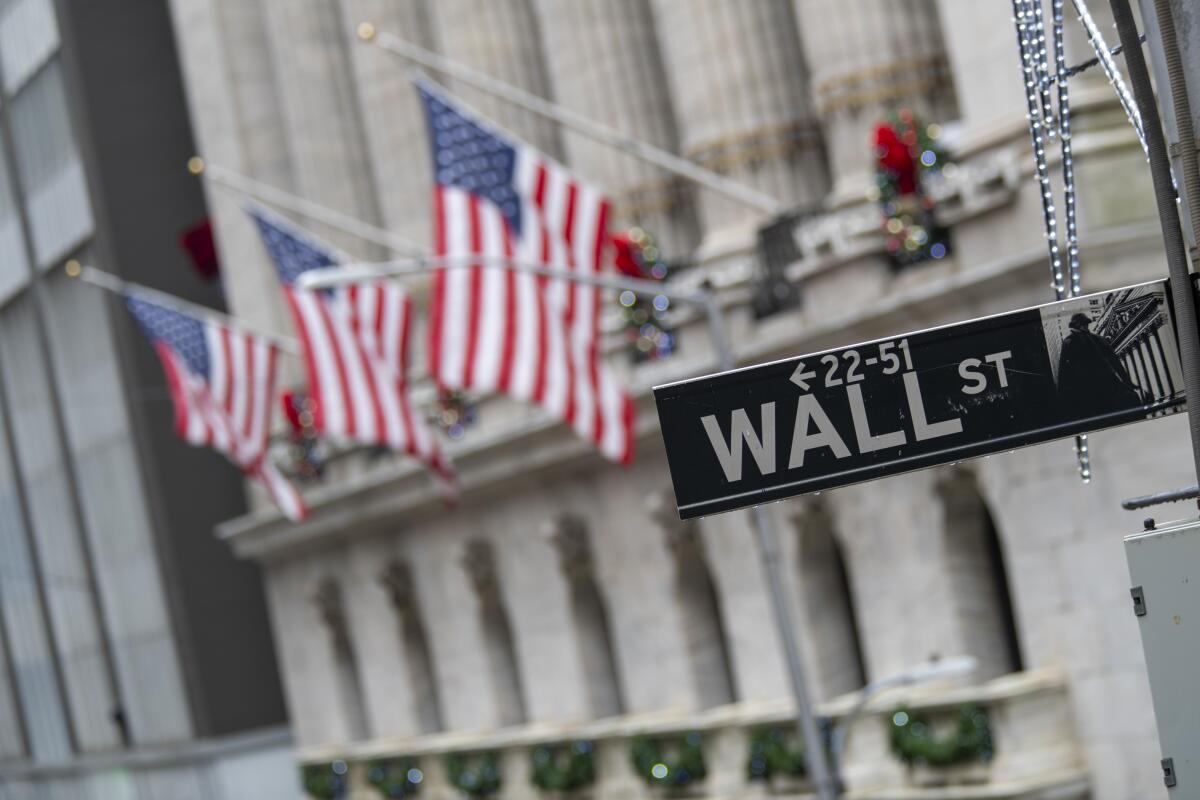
(355, 342)
(222, 384)
(493, 329)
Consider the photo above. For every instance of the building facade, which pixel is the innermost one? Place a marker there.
(135, 659)
(563, 600)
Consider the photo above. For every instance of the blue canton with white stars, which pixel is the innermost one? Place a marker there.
(183, 334)
(467, 156)
(292, 255)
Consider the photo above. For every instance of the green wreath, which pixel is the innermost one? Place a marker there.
(657, 769)
(395, 777)
(475, 774)
(912, 739)
(773, 752)
(563, 768)
(324, 781)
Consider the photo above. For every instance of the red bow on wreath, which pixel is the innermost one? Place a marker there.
(895, 155)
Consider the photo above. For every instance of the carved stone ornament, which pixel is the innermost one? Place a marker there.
(568, 534)
(396, 580)
(677, 533)
(478, 561)
(326, 596)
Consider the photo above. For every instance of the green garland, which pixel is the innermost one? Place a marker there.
(657, 769)
(324, 781)
(913, 743)
(395, 777)
(475, 774)
(563, 768)
(774, 752)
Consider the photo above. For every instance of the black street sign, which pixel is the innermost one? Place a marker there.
(854, 414)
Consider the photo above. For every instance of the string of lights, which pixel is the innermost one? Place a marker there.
(1042, 65)
(1035, 71)
(1069, 206)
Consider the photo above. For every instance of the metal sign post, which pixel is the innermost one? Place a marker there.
(830, 419)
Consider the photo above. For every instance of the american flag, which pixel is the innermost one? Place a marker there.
(493, 329)
(222, 384)
(355, 343)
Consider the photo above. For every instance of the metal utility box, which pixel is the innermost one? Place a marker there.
(1164, 564)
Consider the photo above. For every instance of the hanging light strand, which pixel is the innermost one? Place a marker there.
(1109, 65)
(1036, 84)
(1082, 456)
(1041, 63)
(1026, 46)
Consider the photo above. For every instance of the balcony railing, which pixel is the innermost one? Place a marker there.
(1012, 737)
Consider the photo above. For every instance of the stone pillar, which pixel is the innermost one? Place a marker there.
(237, 119)
(318, 96)
(589, 615)
(391, 112)
(605, 63)
(508, 690)
(739, 85)
(895, 532)
(424, 699)
(820, 580)
(501, 39)
(866, 58)
(700, 612)
(326, 598)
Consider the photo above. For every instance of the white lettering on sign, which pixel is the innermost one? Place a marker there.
(808, 409)
(998, 360)
(968, 370)
(916, 406)
(814, 429)
(867, 442)
(740, 430)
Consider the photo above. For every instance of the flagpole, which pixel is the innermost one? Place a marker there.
(668, 161)
(111, 283)
(223, 176)
(358, 272)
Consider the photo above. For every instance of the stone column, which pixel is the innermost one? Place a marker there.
(589, 615)
(391, 113)
(700, 613)
(605, 63)
(866, 58)
(500, 38)
(897, 533)
(508, 689)
(739, 86)
(318, 96)
(326, 598)
(237, 119)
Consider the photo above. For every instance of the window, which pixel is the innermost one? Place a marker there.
(14, 264)
(28, 38)
(51, 171)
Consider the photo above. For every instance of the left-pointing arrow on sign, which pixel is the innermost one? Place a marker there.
(800, 377)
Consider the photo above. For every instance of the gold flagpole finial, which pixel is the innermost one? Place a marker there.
(73, 269)
(366, 31)
(195, 165)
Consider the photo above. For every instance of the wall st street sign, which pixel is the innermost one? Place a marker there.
(854, 414)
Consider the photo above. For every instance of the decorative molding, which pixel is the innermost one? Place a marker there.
(568, 533)
(678, 534)
(396, 579)
(479, 562)
(326, 597)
